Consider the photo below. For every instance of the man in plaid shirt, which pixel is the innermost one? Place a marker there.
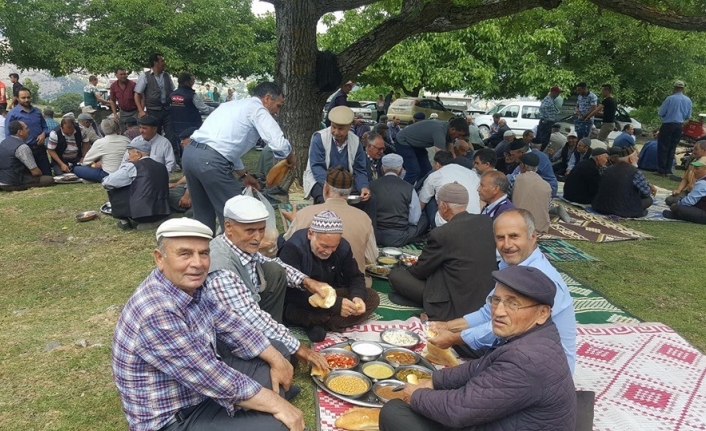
(547, 116)
(165, 363)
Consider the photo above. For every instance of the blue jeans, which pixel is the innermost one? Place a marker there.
(582, 128)
(416, 162)
(91, 174)
(211, 182)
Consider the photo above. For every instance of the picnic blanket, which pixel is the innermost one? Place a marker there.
(585, 226)
(561, 251)
(654, 212)
(645, 376)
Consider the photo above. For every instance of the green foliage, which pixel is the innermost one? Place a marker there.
(212, 39)
(66, 102)
(33, 87)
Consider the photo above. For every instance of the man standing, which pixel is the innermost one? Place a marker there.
(165, 346)
(412, 143)
(38, 131)
(516, 240)
(399, 219)
(336, 146)
(18, 169)
(474, 133)
(388, 101)
(586, 104)
(160, 147)
(609, 107)
(339, 98)
(493, 190)
(452, 276)
(252, 285)
(674, 111)
(322, 253)
(393, 127)
(228, 133)
(93, 98)
(547, 116)
(122, 99)
(152, 96)
(16, 87)
(187, 107)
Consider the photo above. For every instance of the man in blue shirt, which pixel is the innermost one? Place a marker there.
(516, 241)
(647, 160)
(692, 207)
(674, 111)
(38, 131)
(627, 138)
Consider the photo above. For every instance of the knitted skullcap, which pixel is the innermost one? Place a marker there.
(339, 178)
(327, 222)
(453, 193)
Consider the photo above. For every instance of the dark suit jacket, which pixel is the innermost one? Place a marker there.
(456, 263)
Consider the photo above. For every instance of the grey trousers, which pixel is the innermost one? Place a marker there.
(211, 182)
(29, 182)
(211, 416)
(671, 200)
(398, 238)
(272, 297)
(175, 195)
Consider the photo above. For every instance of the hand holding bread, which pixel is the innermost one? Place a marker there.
(316, 300)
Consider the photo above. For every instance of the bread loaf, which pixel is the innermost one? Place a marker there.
(439, 356)
(359, 419)
(317, 301)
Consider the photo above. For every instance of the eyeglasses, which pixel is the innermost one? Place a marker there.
(380, 148)
(510, 304)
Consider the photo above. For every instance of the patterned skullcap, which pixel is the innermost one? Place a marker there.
(339, 178)
(327, 222)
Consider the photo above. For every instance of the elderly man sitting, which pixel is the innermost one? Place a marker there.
(66, 146)
(531, 192)
(139, 190)
(88, 127)
(357, 227)
(324, 255)
(105, 155)
(581, 153)
(624, 190)
(582, 185)
(692, 207)
(516, 240)
(524, 383)
(493, 190)
(452, 275)
(250, 284)
(160, 148)
(18, 169)
(446, 172)
(165, 364)
(399, 219)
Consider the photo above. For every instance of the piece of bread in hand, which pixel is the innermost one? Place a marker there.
(439, 356)
(319, 372)
(359, 419)
(317, 301)
(277, 173)
(412, 379)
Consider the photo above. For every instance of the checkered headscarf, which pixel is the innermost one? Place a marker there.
(327, 222)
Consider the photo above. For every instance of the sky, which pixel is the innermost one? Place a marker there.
(261, 7)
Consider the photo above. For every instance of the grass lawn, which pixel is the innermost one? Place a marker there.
(63, 279)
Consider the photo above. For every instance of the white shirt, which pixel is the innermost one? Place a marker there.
(109, 150)
(160, 151)
(234, 128)
(446, 175)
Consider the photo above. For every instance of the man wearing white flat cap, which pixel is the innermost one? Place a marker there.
(254, 285)
(165, 364)
(399, 217)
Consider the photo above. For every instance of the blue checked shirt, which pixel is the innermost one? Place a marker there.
(164, 353)
(641, 183)
(548, 110)
(229, 290)
(586, 104)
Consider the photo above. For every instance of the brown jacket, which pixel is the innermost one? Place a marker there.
(533, 194)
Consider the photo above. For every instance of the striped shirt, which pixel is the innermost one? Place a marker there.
(164, 353)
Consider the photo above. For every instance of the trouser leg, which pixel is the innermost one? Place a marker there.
(404, 283)
(397, 415)
(272, 297)
(671, 200)
(544, 131)
(91, 174)
(690, 214)
(337, 322)
(606, 128)
(669, 134)
(124, 115)
(42, 160)
(430, 209)
(317, 193)
(410, 162)
(676, 131)
(423, 160)
(646, 202)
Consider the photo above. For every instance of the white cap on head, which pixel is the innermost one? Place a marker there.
(509, 134)
(183, 227)
(572, 134)
(392, 161)
(245, 209)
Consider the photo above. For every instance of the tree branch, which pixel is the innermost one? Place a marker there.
(327, 6)
(662, 18)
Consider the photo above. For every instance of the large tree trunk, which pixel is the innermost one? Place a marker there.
(295, 73)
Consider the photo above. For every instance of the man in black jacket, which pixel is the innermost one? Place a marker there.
(582, 185)
(452, 275)
(321, 253)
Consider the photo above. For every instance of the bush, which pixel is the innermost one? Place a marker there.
(67, 102)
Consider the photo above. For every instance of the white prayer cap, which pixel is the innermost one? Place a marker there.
(392, 161)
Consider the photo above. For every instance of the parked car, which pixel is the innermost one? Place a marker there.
(520, 115)
(372, 106)
(357, 109)
(405, 107)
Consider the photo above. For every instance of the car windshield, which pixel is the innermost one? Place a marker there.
(495, 109)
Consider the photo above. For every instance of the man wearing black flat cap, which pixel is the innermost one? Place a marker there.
(582, 185)
(524, 382)
(544, 168)
(160, 148)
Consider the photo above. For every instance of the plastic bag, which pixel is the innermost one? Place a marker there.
(268, 245)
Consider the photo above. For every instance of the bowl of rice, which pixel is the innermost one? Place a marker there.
(400, 337)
